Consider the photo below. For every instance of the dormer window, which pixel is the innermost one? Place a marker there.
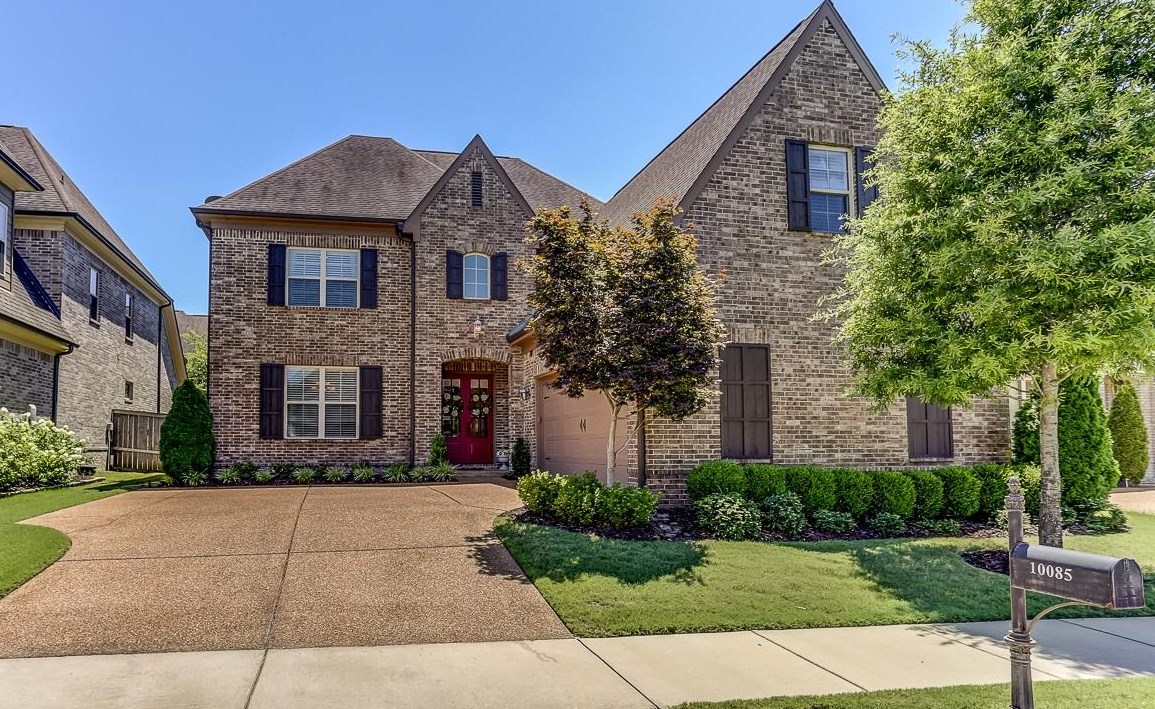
(476, 277)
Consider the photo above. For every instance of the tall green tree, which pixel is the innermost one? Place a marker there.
(1014, 233)
(1128, 433)
(627, 311)
(196, 360)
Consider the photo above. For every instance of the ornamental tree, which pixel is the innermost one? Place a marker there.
(627, 311)
(1014, 232)
(1128, 434)
(187, 444)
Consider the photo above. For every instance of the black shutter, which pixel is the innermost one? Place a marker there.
(498, 277)
(272, 401)
(276, 274)
(368, 278)
(746, 403)
(863, 163)
(797, 184)
(370, 413)
(454, 275)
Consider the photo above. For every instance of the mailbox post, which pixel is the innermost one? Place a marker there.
(1081, 578)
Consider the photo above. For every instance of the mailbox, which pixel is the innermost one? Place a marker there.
(1091, 578)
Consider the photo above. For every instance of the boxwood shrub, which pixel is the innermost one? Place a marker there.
(764, 480)
(538, 491)
(577, 499)
(927, 493)
(728, 516)
(894, 494)
(715, 476)
(961, 492)
(855, 490)
(813, 485)
(620, 507)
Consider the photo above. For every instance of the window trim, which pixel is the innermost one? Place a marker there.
(851, 182)
(128, 391)
(465, 275)
(129, 304)
(94, 282)
(323, 278)
(320, 402)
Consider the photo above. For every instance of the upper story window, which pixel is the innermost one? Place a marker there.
(5, 239)
(321, 402)
(93, 295)
(324, 278)
(829, 188)
(128, 316)
(476, 273)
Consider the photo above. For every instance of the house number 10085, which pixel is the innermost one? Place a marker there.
(1051, 571)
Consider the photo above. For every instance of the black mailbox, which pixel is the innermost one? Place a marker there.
(1091, 578)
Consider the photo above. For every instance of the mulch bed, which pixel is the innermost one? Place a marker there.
(996, 560)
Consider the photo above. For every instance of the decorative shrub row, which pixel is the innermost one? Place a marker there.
(246, 472)
(36, 452)
(582, 500)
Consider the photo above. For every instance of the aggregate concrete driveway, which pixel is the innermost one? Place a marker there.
(216, 569)
(1136, 500)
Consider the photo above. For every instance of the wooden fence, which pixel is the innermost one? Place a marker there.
(135, 441)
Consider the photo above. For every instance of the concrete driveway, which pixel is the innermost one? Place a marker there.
(231, 569)
(1136, 500)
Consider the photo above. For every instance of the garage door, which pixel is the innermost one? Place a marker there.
(571, 433)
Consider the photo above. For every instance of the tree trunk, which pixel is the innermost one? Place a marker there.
(1050, 513)
(611, 444)
(641, 447)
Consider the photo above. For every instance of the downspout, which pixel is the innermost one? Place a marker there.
(56, 378)
(412, 346)
(159, 333)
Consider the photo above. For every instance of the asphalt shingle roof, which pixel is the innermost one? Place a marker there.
(19, 303)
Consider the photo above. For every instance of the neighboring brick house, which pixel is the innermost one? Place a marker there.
(395, 352)
(115, 318)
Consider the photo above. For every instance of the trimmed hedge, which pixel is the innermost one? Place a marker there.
(582, 500)
(764, 480)
(814, 486)
(927, 493)
(855, 490)
(712, 477)
(894, 494)
(961, 492)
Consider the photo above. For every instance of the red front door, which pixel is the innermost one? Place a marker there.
(467, 413)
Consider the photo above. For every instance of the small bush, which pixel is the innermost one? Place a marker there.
(961, 492)
(940, 527)
(894, 494)
(1031, 482)
(363, 472)
(834, 522)
(621, 507)
(335, 475)
(228, 476)
(303, 476)
(728, 516)
(438, 450)
(577, 499)
(1097, 515)
(418, 474)
(927, 493)
(36, 452)
(994, 490)
(264, 476)
(715, 476)
(195, 478)
(784, 514)
(814, 486)
(888, 525)
(764, 480)
(245, 470)
(186, 436)
(538, 491)
(441, 473)
(855, 490)
(519, 460)
(283, 471)
(397, 472)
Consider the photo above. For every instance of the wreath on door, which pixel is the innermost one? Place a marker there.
(479, 405)
(451, 406)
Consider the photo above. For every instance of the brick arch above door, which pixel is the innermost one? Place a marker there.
(501, 355)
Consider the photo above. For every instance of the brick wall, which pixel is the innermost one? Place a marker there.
(27, 378)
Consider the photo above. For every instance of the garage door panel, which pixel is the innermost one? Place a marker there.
(572, 432)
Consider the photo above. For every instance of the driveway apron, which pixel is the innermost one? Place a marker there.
(286, 567)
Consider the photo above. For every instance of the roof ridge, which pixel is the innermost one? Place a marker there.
(551, 176)
(55, 176)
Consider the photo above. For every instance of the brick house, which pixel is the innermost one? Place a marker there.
(388, 274)
(109, 338)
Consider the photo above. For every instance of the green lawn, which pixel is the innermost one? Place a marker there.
(1071, 694)
(26, 550)
(602, 587)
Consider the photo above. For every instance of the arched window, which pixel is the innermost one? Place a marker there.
(476, 277)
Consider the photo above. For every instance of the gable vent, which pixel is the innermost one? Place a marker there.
(475, 188)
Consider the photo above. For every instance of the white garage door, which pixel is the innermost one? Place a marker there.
(572, 433)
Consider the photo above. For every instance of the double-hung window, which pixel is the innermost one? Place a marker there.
(476, 277)
(5, 239)
(829, 188)
(321, 402)
(93, 295)
(325, 278)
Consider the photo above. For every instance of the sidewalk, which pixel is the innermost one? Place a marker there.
(640, 672)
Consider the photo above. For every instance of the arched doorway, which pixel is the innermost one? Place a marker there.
(472, 406)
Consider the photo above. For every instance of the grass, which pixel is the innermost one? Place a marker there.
(604, 587)
(1069, 694)
(26, 550)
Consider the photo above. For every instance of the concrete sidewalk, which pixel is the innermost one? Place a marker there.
(641, 672)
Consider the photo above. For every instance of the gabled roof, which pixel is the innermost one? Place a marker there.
(28, 304)
(373, 179)
(61, 196)
(15, 177)
(681, 169)
(189, 322)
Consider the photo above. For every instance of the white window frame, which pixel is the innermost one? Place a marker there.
(5, 239)
(94, 278)
(321, 401)
(324, 278)
(465, 270)
(850, 179)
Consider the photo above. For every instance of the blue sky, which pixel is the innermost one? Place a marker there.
(150, 106)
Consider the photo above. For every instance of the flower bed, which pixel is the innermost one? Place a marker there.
(246, 472)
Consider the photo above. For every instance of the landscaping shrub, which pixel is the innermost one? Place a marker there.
(894, 494)
(927, 493)
(1097, 515)
(334, 475)
(1025, 431)
(715, 476)
(397, 472)
(940, 527)
(1128, 434)
(438, 450)
(855, 490)
(834, 522)
(283, 471)
(196, 478)
(419, 474)
(960, 492)
(728, 516)
(888, 525)
(441, 473)
(363, 472)
(621, 507)
(303, 476)
(244, 470)
(764, 480)
(538, 491)
(577, 499)
(1031, 481)
(186, 436)
(228, 476)
(993, 490)
(783, 514)
(264, 476)
(1086, 463)
(36, 452)
(519, 460)
(813, 485)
